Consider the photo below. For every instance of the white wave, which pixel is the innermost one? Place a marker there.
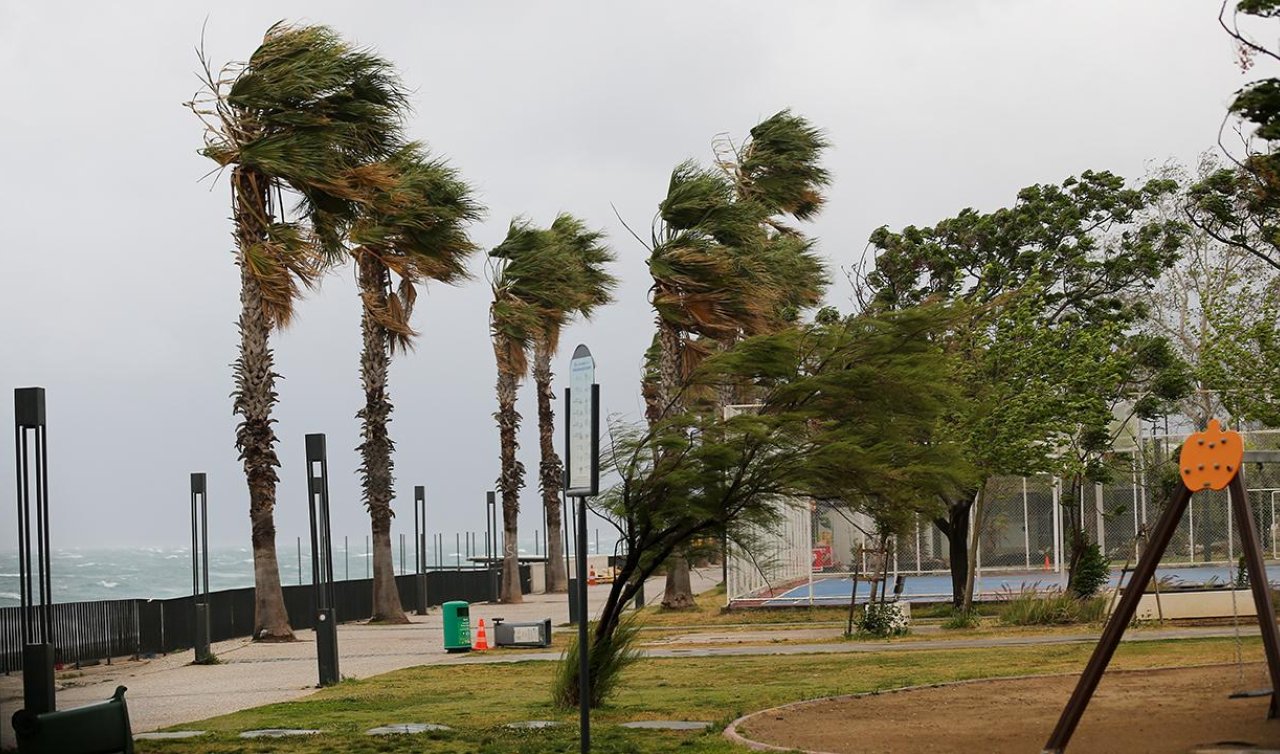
(70, 555)
(10, 575)
(86, 565)
(10, 596)
(109, 584)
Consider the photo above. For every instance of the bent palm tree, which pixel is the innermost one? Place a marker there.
(591, 288)
(300, 116)
(725, 265)
(411, 231)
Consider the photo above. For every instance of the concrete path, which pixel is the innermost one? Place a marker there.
(169, 690)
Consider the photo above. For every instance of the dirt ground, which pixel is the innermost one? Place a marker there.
(1178, 710)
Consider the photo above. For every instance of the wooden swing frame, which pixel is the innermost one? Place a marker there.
(1192, 456)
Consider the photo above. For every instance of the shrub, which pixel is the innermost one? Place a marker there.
(883, 619)
(1091, 573)
(961, 618)
(607, 661)
(1031, 607)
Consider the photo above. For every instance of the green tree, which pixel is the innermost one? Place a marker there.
(1217, 306)
(1054, 287)
(846, 411)
(411, 230)
(299, 120)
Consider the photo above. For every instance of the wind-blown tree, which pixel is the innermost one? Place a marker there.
(846, 412)
(726, 265)
(532, 273)
(1240, 206)
(1055, 285)
(298, 121)
(591, 287)
(411, 230)
(1217, 306)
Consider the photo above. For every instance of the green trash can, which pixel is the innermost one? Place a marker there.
(457, 626)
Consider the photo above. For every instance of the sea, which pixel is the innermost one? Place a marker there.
(91, 573)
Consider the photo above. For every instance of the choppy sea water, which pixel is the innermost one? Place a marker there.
(86, 574)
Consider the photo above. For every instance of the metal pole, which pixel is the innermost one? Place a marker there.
(366, 556)
(1026, 527)
(1118, 621)
(1057, 526)
(200, 554)
(326, 620)
(584, 664)
(300, 560)
(346, 561)
(457, 551)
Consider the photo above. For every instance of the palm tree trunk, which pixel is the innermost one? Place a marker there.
(376, 464)
(668, 368)
(511, 477)
(254, 397)
(550, 470)
(679, 589)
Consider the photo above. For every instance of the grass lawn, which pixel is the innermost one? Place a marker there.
(477, 700)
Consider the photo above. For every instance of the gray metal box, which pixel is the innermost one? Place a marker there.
(536, 634)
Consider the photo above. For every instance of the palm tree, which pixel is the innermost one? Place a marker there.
(513, 320)
(411, 231)
(591, 288)
(725, 265)
(540, 278)
(301, 116)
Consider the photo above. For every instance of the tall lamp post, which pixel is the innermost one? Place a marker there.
(200, 565)
(326, 620)
(420, 545)
(31, 453)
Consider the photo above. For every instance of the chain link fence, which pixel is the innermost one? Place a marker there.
(1024, 529)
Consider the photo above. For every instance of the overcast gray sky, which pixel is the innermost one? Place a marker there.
(118, 291)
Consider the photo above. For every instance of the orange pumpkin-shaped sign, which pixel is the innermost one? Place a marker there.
(1211, 458)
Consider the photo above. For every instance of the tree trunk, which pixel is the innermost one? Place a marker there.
(668, 368)
(1076, 539)
(550, 470)
(679, 591)
(956, 529)
(511, 476)
(974, 544)
(254, 398)
(376, 464)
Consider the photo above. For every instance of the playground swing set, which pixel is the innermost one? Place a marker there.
(1210, 460)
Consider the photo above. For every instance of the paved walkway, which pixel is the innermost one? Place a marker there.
(169, 690)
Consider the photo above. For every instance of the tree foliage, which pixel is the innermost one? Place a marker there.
(1054, 287)
(846, 413)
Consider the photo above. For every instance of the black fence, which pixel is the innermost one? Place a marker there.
(86, 632)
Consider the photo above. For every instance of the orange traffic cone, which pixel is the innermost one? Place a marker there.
(482, 639)
(591, 576)
(1047, 565)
